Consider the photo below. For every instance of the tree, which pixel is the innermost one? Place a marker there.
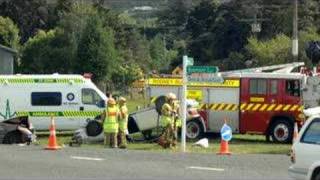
(215, 30)
(158, 53)
(172, 21)
(96, 52)
(270, 52)
(29, 15)
(9, 33)
(125, 75)
(46, 53)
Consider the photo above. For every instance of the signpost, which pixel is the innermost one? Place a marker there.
(185, 63)
(196, 74)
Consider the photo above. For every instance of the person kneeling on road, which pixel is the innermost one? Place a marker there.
(110, 124)
(24, 127)
(123, 122)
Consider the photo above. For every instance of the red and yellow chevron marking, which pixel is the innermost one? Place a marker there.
(219, 107)
(271, 107)
(252, 107)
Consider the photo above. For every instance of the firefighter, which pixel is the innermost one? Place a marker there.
(110, 124)
(167, 120)
(123, 122)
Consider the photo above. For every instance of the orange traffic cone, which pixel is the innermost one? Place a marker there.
(224, 148)
(295, 132)
(224, 145)
(52, 143)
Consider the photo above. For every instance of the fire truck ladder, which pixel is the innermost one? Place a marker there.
(281, 68)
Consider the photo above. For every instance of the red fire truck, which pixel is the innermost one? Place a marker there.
(253, 102)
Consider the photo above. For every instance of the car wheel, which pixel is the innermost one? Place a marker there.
(93, 128)
(282, 131)
(317, 176)
(13, 137)
(147, 134)
(194, 129)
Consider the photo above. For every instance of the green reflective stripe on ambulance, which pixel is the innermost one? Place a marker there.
(40, 80)
(60, 114)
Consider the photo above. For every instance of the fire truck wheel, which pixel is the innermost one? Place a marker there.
(281, 131)
(194, 129)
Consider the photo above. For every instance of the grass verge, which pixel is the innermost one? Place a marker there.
(240, 144)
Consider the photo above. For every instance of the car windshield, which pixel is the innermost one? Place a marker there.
(312, 134)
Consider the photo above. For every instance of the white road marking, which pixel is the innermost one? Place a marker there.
(86, 158)
(205, 168)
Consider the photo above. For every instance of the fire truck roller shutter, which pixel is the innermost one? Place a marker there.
(225, 102)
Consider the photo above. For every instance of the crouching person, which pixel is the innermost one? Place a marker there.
(25, 127)
(110, 124)
(123, 122)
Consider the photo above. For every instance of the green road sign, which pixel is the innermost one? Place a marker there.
(202, 69)
(190, 61)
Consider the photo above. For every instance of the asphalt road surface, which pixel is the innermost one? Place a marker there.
(32, 162)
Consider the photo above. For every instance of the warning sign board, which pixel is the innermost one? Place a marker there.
(195, 94)
(178, 82)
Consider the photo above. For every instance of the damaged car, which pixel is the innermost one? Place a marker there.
(16, 131)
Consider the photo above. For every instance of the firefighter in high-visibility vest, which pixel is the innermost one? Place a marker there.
(167, 120)
(110, 124)
(123, 122)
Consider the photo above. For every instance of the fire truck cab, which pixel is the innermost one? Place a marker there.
(270, 103)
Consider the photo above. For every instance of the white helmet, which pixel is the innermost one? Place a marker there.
(171, 96)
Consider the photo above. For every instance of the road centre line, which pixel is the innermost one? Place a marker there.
(86, 158)
(205, 168)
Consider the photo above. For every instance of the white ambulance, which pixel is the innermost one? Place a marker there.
(70, 99)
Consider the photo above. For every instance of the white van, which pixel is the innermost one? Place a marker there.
(71, 99)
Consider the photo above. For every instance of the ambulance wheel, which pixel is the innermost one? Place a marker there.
(194, 129)
(281, 131)
(13, 137)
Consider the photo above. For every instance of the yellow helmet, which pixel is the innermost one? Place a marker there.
(111, 101)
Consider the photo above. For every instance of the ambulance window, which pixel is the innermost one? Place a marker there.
(293, 87)
(46, 99)
(90, 96)
(258, 86)
(273, 87)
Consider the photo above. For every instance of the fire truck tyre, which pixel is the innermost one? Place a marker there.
(281, 131)
(13, 137)
(194, 129)
(93, 128)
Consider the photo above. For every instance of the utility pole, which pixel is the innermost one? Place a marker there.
(295, 42)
